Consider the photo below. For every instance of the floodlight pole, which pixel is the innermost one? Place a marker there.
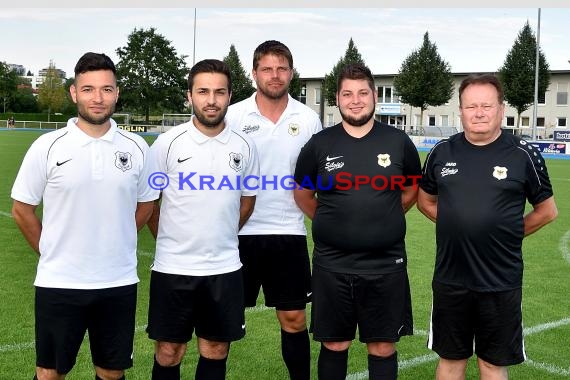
(534, 112)
(194, 47)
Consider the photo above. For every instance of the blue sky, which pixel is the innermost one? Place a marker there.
(470, 39)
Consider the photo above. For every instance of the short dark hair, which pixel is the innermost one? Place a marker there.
(210, 66)
(94, 62)
(355, 71)
(482, 79)
(272, 47)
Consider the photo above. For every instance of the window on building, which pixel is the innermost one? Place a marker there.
(562, 97)
(542, 98)
(525, 121)
(385, 94)
(431, 120)
(510, 121)
(303, 95)
(540, 122)
(330, 119)
(561, 121)
(444, 120)
(318, 95)
(417, 119)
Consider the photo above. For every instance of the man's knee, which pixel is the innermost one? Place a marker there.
(109, 374)
(382, 349)
(169, 354)
(337, 346)
(213, 350)
(48, 374)
(292, 320)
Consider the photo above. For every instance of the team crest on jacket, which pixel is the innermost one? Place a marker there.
(123, 160)
(384, 160)
(500, 172)
(294, 129)
(236, 160)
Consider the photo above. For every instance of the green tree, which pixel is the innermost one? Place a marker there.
(518, 72)
(350, 56)
(424, 79)
(8, 85)
(242, 86)
(295, 85)
(151, 76)
(70, 108)
(51, 93)
(25, 100)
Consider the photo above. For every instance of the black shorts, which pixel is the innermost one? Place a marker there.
(210, 305)
(493, 320)
(63, 316)
(379, 304)
(280, 264)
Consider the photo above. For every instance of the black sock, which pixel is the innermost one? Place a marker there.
(332, 365)
(296, 351)
(165, 373)
(211, 369)
(380, 367)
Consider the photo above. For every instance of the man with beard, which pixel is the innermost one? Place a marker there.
(363, 173)
(273, 243)
(92, 180)
(196, 282)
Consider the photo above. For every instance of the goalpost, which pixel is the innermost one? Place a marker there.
(122, 118)
(170, 120)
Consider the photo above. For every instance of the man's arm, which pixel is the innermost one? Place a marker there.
(25, 216)
(246, 205)
(143, 213)
(409, 197)
(306, 200)
(541, 214)
(427, 204)
(154, 217)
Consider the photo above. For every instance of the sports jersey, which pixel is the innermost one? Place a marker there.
(481, 195)
(278, 145)
(90, 188)
(359, 228)
(199, 214)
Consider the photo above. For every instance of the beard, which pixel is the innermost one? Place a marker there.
(210, 122)
(357, 121)
(95, 119)
(273, 94)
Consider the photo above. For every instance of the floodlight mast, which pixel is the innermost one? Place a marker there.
(534, 111)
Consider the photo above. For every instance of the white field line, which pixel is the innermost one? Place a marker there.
(145, 253)
(546, 326)
(560, 179)
(548, 368)
(402, 364)
(563, 246)
(17, 347)
(6, 214)
(419, 360)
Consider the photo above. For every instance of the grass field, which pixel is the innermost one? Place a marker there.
(546, 306)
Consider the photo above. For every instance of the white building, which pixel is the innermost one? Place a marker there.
(553, 109)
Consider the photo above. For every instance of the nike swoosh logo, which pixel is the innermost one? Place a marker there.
(333, 158)
(309, 294)
(183, 159)
(63, 162)
(243, 327)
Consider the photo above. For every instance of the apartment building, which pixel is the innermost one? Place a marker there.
(553, 108)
